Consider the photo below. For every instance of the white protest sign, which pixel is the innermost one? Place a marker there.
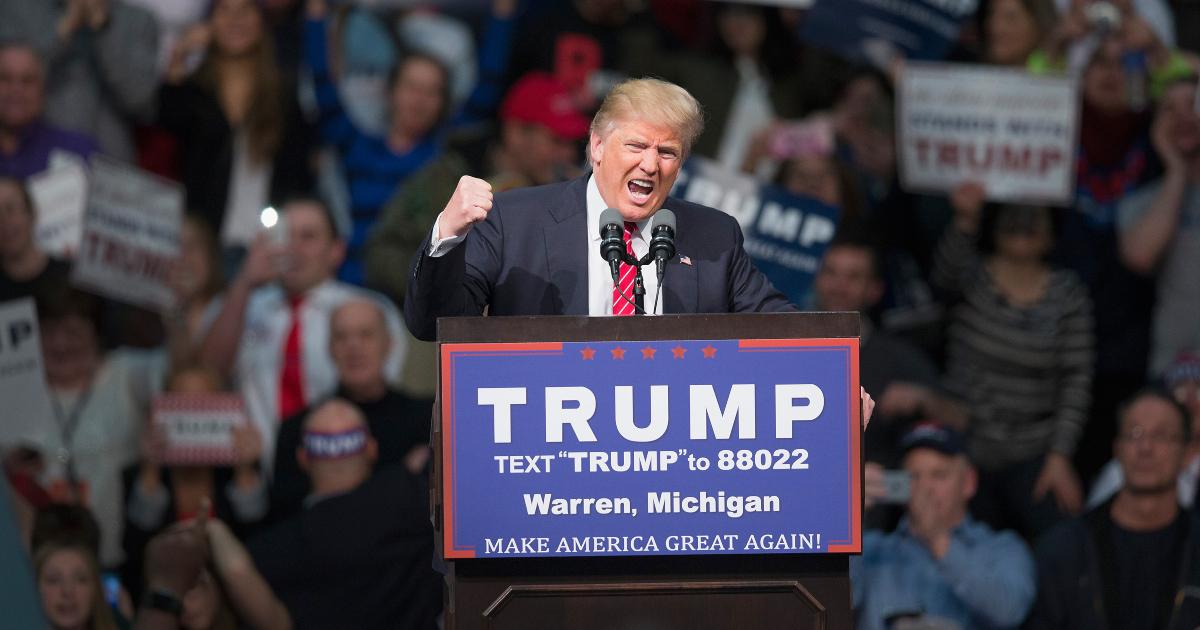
(23, 389)
(59, 197)
(1011, 131)
(130, 235)
(199, 427)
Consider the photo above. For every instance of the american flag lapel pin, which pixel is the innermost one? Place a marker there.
(687, 260)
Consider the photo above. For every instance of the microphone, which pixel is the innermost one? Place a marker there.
(662, 240)
(612, 241)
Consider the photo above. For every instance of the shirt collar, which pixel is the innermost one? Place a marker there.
(963, 529)
(596, 205)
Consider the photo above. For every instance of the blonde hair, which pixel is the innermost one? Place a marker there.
(655, 101)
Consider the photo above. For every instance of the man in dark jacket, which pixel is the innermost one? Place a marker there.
(1130, 564)
(360, 553)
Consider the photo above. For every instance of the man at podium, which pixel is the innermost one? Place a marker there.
(536, 251)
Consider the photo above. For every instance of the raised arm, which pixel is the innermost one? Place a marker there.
(335, 125)
(220, 346)
(441, 283)
(251, 596)
(1144, 239)
(957, 254)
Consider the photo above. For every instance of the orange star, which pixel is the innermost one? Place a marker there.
(618, 353)
(709, 351)
(678, 351)
(588, 354)
(648, 353)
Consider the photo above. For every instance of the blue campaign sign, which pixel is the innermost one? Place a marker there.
(872, 30)
(786, 235)
(650, 448)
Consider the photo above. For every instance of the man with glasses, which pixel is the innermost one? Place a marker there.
(1130, 563)
(1182, 379)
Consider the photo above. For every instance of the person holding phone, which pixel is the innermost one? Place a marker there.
(929, 569)
(271, 332)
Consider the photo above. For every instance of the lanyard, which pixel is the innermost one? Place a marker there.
(68, 423)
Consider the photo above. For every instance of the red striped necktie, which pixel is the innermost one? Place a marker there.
(622, 306)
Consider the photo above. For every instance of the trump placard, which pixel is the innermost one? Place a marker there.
(198, 428)
(130, 235)
(786, 235)
(674, 447)
(1011, 131)
(27, 406)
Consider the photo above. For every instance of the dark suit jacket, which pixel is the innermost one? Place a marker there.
(530, 257)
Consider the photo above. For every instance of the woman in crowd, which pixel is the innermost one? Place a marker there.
(243, 141)
(25, 270)
(68, 580)
(1118, 65)
(1019, 352)
(374, 167)
(1014, 29)
(159, 494)
(197, 280)
(96, 397)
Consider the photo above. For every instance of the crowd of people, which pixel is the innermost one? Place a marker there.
(1036, 369)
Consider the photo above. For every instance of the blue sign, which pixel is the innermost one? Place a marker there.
(650, 448)
(873, 30)
(786, 235)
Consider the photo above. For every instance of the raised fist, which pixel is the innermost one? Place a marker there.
(470, 204)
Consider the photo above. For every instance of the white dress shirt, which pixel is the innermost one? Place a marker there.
(264, 333)
(600, 284)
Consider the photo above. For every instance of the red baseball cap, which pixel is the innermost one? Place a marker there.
(540, 99)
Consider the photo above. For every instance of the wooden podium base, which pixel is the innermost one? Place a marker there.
(592, 594)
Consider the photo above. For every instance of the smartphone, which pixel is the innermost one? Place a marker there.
(898, 487)
(112, 589)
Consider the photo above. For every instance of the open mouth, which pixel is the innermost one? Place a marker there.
(640, 189)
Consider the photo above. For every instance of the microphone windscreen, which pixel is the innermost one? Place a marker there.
(665, 218)
(610, 216)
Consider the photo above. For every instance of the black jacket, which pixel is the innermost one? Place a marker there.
(363, 559)
(1076, 583)
(193, 115)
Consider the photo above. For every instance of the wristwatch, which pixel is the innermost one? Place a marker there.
(164, 600)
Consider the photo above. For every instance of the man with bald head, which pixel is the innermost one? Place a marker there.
(26, 141)
(359, 344)
(359, 553)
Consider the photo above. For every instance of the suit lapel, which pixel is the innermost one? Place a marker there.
(567, 248)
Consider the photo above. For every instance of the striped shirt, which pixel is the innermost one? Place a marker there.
(1024, 370)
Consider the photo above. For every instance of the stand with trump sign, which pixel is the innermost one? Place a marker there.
(625, 471)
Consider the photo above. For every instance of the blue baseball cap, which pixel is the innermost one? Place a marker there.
(932, 435)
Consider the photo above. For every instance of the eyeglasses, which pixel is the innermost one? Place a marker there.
(1137, 434)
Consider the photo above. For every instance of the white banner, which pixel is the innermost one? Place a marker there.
(130, 235)
(23, 391)
(1011, 131)
(59, 197)
(199, 427)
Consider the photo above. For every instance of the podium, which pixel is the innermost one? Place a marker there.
(517, 556)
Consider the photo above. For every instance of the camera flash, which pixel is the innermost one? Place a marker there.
(268, 217)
